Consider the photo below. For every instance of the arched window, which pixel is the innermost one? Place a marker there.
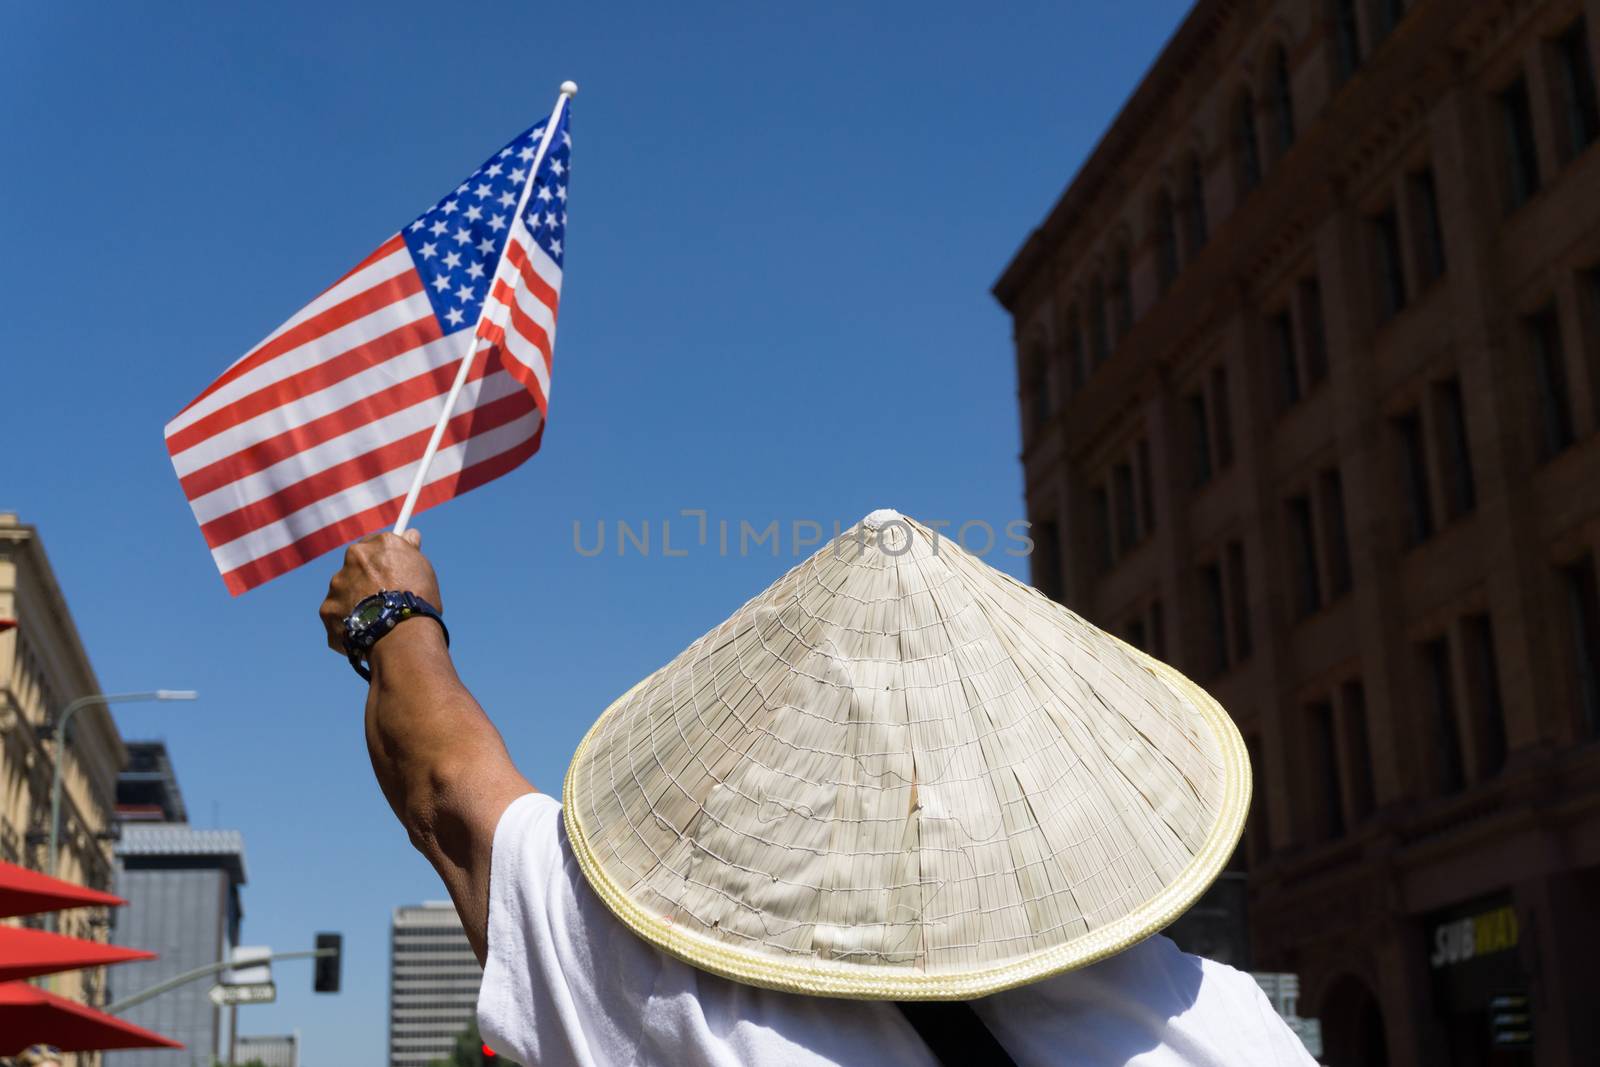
(1196, 230)
(1246, 145)
(1282, 101)
(1166, 229)
(1121, 292)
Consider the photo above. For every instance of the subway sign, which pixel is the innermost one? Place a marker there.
(1456, 941)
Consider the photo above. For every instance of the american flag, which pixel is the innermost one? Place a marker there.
(312, 438)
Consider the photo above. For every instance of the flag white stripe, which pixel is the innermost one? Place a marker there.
(523, 351)
(358, 442)
(371, 493)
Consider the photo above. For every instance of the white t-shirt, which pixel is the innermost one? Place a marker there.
(567, 984)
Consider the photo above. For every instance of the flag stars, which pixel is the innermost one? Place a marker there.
(525, 153)
(463, 235)
(429, 250)
(438, 227)
(497, 223)
(508, 199)
(453, 260)
(518, 176)
(464, 294)
(555, 245)
(415, 226)
(454, 317)
(449, 207)
(486, 245)
(483, 190)
(561, 191)
(544, 193)
(556, 168)
(474, 213)
(475, 271)
(441, 283)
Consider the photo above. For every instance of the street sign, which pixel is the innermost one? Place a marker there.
(251, 965)
(224, 995)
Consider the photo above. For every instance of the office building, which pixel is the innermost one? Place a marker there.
(183, 885)
(1308, 357)
(433, 983)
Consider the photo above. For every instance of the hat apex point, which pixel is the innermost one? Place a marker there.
(881, 517)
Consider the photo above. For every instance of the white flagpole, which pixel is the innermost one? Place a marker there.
(568, 91)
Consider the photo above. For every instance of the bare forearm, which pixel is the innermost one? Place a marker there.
(440, 762)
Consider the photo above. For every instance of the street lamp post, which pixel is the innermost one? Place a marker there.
(61, 747)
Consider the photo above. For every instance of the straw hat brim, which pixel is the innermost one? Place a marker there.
(821, 977)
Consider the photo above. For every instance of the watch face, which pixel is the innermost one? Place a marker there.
(368, 612)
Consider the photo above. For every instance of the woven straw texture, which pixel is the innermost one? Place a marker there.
(898, 773)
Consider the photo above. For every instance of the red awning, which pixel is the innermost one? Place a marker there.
(25, 953)
(30, 1016)
(23, 892)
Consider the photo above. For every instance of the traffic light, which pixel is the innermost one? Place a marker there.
(326, 977)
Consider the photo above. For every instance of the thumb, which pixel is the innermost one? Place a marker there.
(414, 537)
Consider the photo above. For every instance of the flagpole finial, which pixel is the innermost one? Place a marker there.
(569, 89)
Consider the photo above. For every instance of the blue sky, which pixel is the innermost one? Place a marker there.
(784, 224)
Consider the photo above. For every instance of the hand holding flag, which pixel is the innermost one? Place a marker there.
(310, 440)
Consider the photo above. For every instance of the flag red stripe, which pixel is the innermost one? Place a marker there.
(343, 313)
(263, 454)
(264, 568)
(362, 468)
(530, 381)
(531, 331)
(541, 290)
(313, 379)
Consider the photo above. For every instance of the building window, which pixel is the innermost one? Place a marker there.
(1046, 559)
(1239, 594)
(1447, 769)
(1201, 468)
(1327, 803)
(1583, 607)
(1147, 496)
(1260, 832)
(1099, 339)
(1347, 37)
(1167, 256)
(1522, 153)
(1246, 145)
(1313, 330)
(1075, 368)
(1391, 274)
(1414, 477)
(1430, 232)
(1358, 749)
(1303, 557)
(1136, 634)
(1388, 14)
(1578, 87)
(1216, 608)
(1196, 228)
(1550, 379)
(1282, 101)
(1037, 400)
(1222, 419)
(1100, 505)
(1280, 336)
(1122, 499)
(1122, 292)
(1330, 486)
(1461, 494)
(1489, 713)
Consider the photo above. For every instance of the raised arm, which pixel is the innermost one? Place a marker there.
(438, 758)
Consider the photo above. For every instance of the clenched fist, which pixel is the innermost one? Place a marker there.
(382, 561)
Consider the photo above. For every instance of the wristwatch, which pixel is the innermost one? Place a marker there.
(375, 616)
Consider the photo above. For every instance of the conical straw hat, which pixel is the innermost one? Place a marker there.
(900, 774)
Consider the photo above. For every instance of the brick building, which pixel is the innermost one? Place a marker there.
(1309, 374)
